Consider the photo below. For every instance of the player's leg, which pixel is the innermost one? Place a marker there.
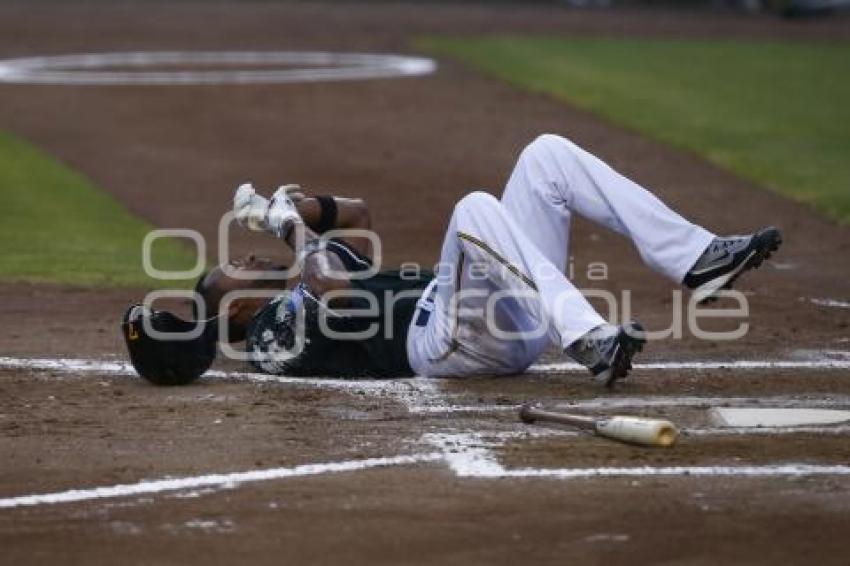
(554, 173)
(450, 336)
(482, 234)
(486, 234)
(536, 203)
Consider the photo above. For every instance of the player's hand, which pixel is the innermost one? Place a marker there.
(282, 214)
(294, 192)
(250, 209)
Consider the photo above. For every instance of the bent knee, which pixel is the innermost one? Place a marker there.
(476, 200)
(549, 139)
(474, 210)
(549, 158)
(545, 143)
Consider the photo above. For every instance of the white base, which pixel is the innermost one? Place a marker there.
(748, 417)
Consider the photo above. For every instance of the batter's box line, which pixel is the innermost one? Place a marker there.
(651, 401)
(75, 365)
(815, 364)
(470, 455)
(407, 391)
(411, 393)
(415, 394)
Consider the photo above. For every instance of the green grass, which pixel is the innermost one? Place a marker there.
(55, 226)
(774, 112)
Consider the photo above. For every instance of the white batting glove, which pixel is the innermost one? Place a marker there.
(295, 192)
(250, 209)
(282, 214)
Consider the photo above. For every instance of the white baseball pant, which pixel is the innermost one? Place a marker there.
(500, 296)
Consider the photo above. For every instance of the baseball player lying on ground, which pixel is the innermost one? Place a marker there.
(499, 297)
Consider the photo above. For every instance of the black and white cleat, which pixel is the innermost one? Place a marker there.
(607, 350)
(726, 259)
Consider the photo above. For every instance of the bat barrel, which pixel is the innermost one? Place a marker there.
(634, 430)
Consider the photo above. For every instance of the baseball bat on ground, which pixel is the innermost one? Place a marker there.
(633, 430)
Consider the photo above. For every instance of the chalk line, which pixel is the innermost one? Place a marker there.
(220, 481)
(73, 365)
(778, 401)
(418, 394)
(647, 471)
(465, 463)
(769, 430)
(407, 391)
(835, 303)
(563, 367)
(470, 455)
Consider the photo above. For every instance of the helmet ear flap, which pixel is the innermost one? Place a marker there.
(167, 360)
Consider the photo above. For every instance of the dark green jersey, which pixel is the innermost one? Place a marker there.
(395, 297)
(367, 338)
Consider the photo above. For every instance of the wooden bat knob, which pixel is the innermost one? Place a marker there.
(526, 413)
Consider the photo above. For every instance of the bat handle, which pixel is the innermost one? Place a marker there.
(530, 414)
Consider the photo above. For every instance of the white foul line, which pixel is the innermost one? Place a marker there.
(211, 480)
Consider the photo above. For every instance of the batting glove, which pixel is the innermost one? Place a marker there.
(250, 209)
(282, 214)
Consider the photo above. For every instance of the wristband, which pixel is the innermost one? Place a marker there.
(327, 213)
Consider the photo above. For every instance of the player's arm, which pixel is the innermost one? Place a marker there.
(326, 212)
(350, 213)
(322, 270)
(292, 219)
(323, 273)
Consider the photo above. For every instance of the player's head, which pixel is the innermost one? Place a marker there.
(216, 284)
(164, 348)
(168, 350)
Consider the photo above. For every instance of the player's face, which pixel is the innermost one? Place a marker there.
(240, 311)
(255, 263)
(249, 265)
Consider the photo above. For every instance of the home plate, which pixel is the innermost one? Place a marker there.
(747, 417)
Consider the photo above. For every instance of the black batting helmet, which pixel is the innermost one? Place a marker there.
(165, 360)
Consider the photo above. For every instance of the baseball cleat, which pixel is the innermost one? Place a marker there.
(607, 350)
(726, 259)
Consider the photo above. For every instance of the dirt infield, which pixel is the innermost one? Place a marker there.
(411, 147)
